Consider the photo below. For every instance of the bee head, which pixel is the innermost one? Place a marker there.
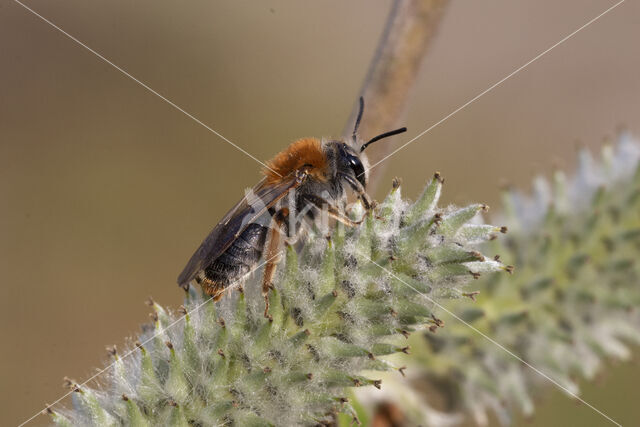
(353, 158)
(352, 163)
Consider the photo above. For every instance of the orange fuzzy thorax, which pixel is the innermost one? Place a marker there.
(305, 151)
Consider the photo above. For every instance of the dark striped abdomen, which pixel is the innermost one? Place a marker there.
(237, 261)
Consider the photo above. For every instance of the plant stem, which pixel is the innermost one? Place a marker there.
(410, 28)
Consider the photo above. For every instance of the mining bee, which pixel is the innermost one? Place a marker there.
(312, 175)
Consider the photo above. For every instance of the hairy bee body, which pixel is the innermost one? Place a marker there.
(236, 262)
(322, 179)
(308, 178)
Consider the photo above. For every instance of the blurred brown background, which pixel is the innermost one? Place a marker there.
(105, 190)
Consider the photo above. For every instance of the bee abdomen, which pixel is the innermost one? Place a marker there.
(236, 262)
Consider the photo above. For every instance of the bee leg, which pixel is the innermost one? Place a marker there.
(337, 215)
(272, 255)
(360, 191)
(333, 212)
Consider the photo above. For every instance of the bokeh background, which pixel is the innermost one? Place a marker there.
(105, 190)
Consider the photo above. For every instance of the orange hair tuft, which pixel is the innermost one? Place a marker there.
(305, 151)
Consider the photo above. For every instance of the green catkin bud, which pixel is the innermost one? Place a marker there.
(120, 380)
(149, 386)
(365, 239)
(391, 202)
(326, 280)
(162, 317)
(134, 415)
(176, 385)
(428, 200)
(479, 232)
(290, 276)
(298, 339)
(416, 234)
(407, 285)
(452, 222)
(444, 271)
(191, 355)
(336, 348)
(239, 325)
(324, 303)
(93, 410)
(447, 255)
(408, 308)
(340, 307)
(58, 419)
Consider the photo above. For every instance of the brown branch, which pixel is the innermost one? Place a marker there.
(410, 28)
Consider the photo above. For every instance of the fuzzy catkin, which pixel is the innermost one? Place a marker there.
(574, 302)
(340, 306)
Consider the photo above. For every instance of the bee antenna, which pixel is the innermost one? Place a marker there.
(360, 111)
(382, 136)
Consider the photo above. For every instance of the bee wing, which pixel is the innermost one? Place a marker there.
(255, 203)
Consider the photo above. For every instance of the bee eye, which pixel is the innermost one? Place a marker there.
(358, 169)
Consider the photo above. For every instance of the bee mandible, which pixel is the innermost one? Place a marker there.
(310, 173)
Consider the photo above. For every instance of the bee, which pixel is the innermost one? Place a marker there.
(314, 175)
